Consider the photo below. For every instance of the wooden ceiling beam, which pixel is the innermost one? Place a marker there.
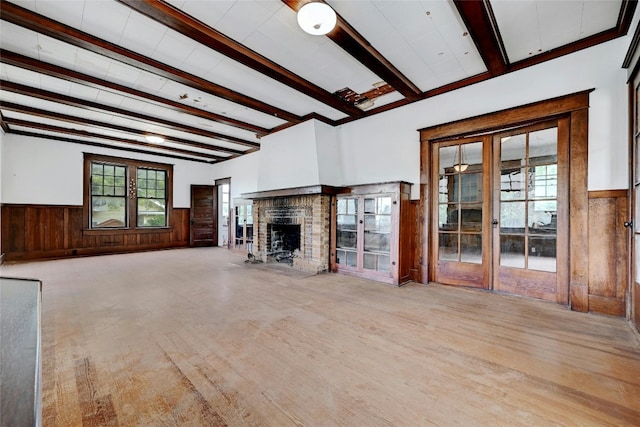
(3, 125)
(31, 64)
(352, 42)
(480, 21)
(94, 106)
(17, 108)
(86, 134)
(185, 24)
(35, 22)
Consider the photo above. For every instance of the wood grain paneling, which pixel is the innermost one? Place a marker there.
(635, 311)
(32, 232)
(608, 252)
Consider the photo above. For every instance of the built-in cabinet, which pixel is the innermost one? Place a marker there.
(369, 233)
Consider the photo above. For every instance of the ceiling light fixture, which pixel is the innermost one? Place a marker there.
(461, 166)
(154, 139)
(316, 18)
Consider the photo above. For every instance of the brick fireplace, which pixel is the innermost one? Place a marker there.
(294, 226)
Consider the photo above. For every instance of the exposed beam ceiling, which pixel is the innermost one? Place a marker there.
(95, 106)
(185, 24)
(38, 23)
(52, 70)
(98, 136)
(134, 67)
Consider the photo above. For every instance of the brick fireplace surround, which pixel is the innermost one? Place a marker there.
(309, 207)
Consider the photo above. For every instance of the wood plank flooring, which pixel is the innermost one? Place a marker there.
(196, 337)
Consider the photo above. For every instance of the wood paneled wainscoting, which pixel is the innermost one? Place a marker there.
(608, 251)
(49, 231)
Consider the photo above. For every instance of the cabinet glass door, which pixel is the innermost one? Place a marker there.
(347, 232)
(364, 233)
(377, 233)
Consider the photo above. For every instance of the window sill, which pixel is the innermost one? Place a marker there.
(110, 231)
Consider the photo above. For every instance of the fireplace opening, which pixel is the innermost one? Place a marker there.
(283, 240)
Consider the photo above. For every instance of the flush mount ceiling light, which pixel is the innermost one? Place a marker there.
(317, 19)
(154, 139)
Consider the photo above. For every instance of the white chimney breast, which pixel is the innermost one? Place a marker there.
(302, 155)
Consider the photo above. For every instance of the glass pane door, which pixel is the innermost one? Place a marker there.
(239, 221)
(364, 233)
(461, 246)
(377, 233)
(244, 226)
(460, 199)
(347, 232)
(526, 206)
(528, 200)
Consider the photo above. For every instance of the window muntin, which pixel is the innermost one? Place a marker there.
(124, 193)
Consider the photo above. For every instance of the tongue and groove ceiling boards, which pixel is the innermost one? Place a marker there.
(214, 76)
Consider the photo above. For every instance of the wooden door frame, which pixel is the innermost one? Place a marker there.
(218, 183)
(573, 106)
(632, 295)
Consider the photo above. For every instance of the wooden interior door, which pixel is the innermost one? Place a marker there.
(461, 203)
(501, 211)
(203, 216)
(530, 210)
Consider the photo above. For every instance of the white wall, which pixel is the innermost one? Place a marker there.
(330, 161)
(41, 171)
(243, 172)
(302, 155)
(385, 147)
(289, 158)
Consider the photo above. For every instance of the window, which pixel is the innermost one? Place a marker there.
(124, 193)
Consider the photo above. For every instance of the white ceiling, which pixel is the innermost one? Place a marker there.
(426, 43)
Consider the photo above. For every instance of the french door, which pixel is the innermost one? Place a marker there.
(502, 211)
(462, 206)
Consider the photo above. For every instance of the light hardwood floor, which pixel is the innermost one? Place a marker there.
(196, 337)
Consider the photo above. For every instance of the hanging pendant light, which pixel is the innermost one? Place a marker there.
(316, 18)
(461, 166)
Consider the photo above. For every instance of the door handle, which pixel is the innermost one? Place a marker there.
(628, 224)
(494, 223)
